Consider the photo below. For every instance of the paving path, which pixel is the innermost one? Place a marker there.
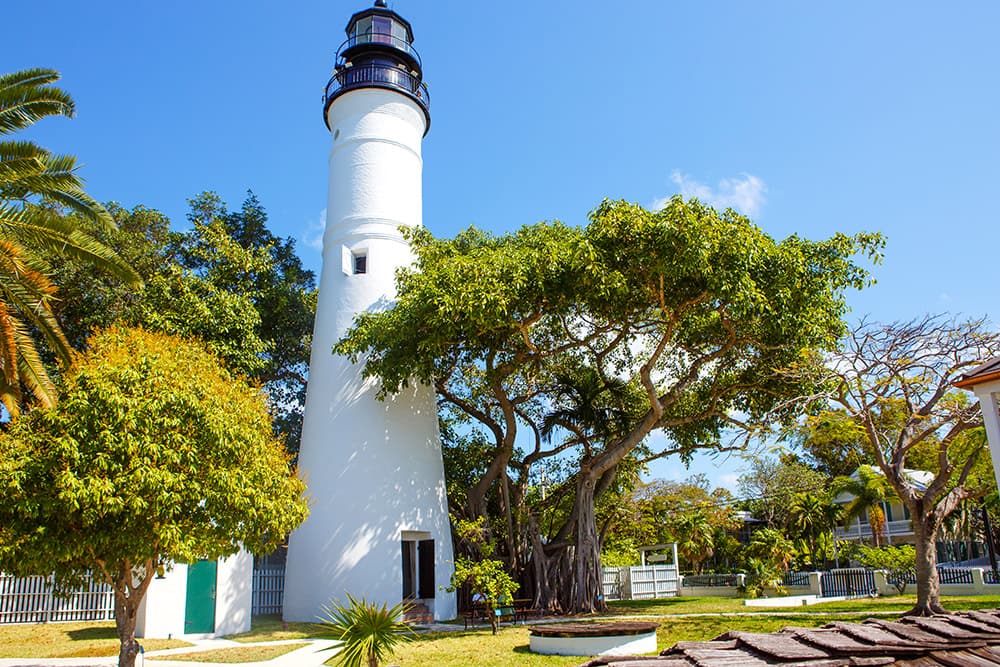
(313, 655)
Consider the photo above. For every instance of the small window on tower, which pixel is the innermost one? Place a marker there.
(360, 263)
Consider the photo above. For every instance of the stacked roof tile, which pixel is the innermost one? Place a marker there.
(965, 639)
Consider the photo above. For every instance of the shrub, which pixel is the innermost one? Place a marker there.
(369, 632)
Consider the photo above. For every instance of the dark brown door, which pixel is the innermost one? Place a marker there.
(425, 559)
(408, 570)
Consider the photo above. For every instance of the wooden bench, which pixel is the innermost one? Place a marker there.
(524, 609)
(516, 612)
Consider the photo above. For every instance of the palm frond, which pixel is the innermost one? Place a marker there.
(10, 385)
(35, 76)
(58, 182)
(10, 150)
(30, 368)
(12, 216)
(25, 98)
(13, 170)
(80, 202)
(8, 346)
(41, 228)
(26, 290)
(10, 396)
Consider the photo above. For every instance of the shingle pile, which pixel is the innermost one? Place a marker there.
(965, 639)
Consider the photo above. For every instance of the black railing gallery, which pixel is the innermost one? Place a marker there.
(381, 75)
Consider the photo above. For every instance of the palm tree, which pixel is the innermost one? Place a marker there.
(771, 546)
(807, 517)
(869, 491)
(587, 405)
(34, 185)
(695, 537)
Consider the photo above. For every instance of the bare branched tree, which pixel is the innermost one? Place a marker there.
(895, 381)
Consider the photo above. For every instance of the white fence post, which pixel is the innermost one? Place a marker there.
(49, 587)
(978, 581)
(815, 587)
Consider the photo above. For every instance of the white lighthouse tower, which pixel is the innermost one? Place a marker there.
(379, 525)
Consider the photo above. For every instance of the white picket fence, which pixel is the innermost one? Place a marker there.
(268, 591)
(648, 582)
(34, 600)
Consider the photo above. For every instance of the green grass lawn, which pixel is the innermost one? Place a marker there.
(272, 628)
(235, 655)
(69, 640)
(509, 648)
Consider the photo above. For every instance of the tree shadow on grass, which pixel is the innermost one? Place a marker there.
(92, 634)
(525, 649)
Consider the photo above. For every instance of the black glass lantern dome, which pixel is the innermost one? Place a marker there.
(378, 53)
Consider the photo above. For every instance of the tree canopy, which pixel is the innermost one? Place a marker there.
(770, 485)
(227, 281)
(689, 309)
(155, 454)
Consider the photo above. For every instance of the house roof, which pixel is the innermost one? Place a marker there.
(985, 372)
(953, 640)
(920, 479)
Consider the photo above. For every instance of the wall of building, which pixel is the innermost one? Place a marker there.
(161, 614)
(234, 595)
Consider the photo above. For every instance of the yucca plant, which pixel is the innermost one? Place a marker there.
(370, 632)
(34, 186)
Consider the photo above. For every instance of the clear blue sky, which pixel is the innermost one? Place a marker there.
(812, 117)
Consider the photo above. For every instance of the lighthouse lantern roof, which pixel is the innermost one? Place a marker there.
(379, 22)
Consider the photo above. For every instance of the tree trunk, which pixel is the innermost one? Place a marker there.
(128, 597)
(928, 586)
(125, 625)
(545, 598)
(876, 520)
(587, 558)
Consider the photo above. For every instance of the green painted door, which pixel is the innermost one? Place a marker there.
(199, 609)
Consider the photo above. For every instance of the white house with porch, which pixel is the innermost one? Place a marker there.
(898, 526)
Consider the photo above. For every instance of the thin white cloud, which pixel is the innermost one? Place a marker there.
(745, 193)
(312, 237)
(729, 481)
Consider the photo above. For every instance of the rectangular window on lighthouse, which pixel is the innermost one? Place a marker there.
(360, 263)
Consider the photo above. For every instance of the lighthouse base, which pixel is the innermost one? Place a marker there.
(378, 527)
